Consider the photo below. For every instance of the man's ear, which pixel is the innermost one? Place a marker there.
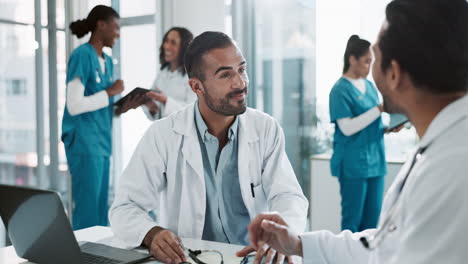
(394, 76)
(196, 85)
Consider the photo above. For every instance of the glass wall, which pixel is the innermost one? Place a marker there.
(24, 94)
(18, 156)
(282, 70)
(139, 68)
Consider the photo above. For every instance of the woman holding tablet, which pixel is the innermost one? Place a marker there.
(358, 158)
(87, 119)
(171, 90)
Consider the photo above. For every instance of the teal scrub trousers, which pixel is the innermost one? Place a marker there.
(90, 190)
(361, 202)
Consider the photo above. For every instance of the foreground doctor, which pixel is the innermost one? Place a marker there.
(421, 69)
(209, 168)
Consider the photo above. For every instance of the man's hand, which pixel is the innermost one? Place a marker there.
(395, 130)
(265, 251)
(164, 245)
(116, 88)
(271, 229)
(157, 95)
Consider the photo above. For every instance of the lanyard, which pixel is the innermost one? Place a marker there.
(373, 241)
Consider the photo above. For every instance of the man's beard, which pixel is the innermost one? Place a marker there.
(390, 107)
(222, 106)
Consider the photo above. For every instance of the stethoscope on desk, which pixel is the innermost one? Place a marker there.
(193, 254)
(373, 241)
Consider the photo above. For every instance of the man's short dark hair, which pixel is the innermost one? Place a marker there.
(429, 40)
(200, 45)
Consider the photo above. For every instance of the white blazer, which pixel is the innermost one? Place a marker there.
(166, 172)
(177, 89)
(429, 224)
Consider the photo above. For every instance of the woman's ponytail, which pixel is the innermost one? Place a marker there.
(79, 28)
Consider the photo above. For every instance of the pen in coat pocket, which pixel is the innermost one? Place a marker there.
(252, 189)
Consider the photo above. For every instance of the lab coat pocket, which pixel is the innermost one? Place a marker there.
(260, 199)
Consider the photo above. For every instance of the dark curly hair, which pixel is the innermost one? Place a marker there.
(429, 40)
(81, 27)
(185, 38)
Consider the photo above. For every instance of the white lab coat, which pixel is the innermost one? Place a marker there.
(178, 92)
(166, 172)
(432, 216)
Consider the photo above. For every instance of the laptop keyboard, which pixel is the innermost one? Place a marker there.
(93, 259)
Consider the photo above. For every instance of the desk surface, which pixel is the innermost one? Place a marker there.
(101, 234)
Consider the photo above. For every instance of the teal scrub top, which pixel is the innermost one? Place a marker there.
(89, 132)
(361, 155)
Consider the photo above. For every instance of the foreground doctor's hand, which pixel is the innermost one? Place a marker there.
(395, 130)
(164, 245)
(116, 88)
(264, 251)
(271, 229)
(158, 95)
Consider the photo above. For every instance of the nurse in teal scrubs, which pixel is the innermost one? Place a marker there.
(358, 150)
(87, 120)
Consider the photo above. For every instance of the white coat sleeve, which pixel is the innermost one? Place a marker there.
(324, 247)
(145, 108)
(139, 191)
(147, 112)
(173, 105)
(436, 213)
(78, 103)
(280, 184)
(350, 126)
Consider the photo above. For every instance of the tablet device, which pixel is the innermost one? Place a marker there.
(134, 92)
(397, 120)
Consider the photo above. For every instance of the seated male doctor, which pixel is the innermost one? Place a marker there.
(209, 168)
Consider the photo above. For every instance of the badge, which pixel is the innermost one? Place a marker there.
(98, 80)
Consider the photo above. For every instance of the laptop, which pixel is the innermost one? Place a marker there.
(40, 231)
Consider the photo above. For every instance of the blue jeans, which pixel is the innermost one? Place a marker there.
(361, 202)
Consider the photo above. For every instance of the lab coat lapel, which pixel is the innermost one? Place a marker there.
(191, 152)
(192, 224)
(247, 137)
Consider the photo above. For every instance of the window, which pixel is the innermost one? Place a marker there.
(139, 68)
(17, 103)
(24, 93)
(278, 41)
(16, 87)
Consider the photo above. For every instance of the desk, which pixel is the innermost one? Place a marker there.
(104, 235)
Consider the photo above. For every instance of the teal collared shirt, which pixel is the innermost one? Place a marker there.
(226, 217)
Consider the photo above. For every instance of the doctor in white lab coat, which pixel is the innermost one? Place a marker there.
(167, 168)
(421, 70)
